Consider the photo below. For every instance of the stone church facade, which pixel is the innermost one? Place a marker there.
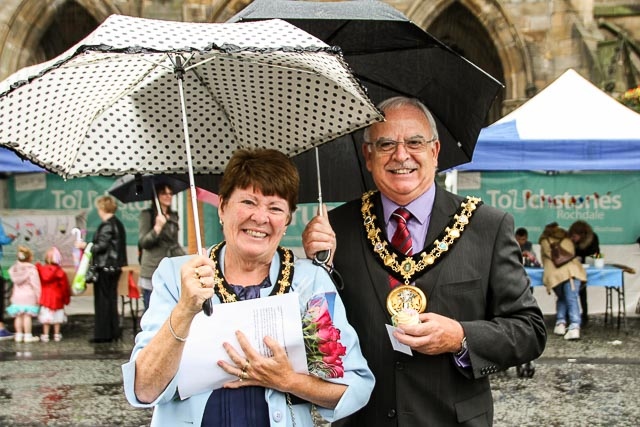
(525, 44)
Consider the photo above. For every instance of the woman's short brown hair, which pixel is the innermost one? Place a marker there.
(266, 170)
(107, 204)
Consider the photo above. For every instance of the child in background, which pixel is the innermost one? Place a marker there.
(25, 295)
(55, 294)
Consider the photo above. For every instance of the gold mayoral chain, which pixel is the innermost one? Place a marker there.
(225, 292)
(408, 268)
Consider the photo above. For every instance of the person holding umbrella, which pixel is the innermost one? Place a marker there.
(412, 246)
(158, 237)
(258, 195)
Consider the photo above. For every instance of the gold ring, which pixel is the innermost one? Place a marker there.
(202, 285)
(196, 273)
(246, 366)
(245, 375)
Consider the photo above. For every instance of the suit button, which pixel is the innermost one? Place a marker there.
(277, 416)
(391, 413)
(399, 366)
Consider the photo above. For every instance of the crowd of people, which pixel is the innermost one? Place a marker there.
(567, 281)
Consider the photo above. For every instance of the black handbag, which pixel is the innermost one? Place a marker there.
(92, 274)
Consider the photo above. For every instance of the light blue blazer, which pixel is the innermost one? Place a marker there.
(308, 280)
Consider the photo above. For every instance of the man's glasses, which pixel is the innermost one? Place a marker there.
(412, 145)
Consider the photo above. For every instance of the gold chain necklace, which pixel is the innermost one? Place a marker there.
(408, 268)
(225, 292)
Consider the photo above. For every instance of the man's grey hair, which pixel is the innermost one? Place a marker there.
(401, 101)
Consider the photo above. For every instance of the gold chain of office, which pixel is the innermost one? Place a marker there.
(225, 292)
(408, 268)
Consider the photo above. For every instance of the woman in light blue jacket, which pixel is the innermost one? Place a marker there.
(258, 196)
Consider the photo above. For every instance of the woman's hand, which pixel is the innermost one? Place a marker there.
(256, 370)
(161, 220)
(196, 277)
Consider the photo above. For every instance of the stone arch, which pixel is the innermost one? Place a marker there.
(27, 23)
(502, 39)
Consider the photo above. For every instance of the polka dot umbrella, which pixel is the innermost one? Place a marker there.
(149, 96)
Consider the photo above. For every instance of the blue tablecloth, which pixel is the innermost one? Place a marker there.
(608, 276)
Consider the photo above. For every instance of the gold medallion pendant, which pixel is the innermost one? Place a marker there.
(406, 297)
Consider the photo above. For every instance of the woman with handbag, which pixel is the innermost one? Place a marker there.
(563, 273)
(157, 238)
(108, 255)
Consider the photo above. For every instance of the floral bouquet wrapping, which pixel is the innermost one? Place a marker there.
(322, 338)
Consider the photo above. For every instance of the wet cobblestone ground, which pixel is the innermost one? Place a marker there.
(591, 382)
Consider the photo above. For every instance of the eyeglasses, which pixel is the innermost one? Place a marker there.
(412, 145)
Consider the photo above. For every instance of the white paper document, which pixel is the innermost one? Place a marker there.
(275, 316)
(397, 345)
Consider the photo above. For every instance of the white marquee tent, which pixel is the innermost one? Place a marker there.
(569, 125)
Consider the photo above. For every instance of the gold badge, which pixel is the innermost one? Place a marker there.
(404, 297)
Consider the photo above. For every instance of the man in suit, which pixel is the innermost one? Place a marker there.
(459, 257)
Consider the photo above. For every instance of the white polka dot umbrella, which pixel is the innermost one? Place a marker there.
(148, 96)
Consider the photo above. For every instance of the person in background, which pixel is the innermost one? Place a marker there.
(564, 281)
(528, 256)
(586, 244)
(457, 256)
(157, 238)
(5, 239)
(258, 195)
(55, 295)
(25, 295)
(109, 255)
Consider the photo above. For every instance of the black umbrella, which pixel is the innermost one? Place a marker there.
(138, 188)
(391, 56)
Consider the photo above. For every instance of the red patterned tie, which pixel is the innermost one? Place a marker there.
(401, 239)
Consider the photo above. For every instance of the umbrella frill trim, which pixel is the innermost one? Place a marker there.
(137, 50)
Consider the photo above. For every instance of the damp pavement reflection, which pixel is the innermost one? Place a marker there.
(591, 382)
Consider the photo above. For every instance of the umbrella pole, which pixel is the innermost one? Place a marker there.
(155, 199)
(179, 70)
(320, 257)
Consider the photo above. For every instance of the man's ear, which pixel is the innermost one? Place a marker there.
(367, 152)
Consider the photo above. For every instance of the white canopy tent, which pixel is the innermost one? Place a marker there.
(569, 125)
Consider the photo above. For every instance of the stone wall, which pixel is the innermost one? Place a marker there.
(535, 40)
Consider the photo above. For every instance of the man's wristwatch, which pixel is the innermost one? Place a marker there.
(463, 347)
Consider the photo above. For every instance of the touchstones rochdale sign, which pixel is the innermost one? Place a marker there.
(609, 201)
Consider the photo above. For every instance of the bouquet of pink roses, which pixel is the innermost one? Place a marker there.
(322, 339)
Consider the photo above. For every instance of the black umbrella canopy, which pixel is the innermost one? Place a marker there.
(391, 56)
(137, 188)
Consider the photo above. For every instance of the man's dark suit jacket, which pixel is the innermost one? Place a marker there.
(480, 282)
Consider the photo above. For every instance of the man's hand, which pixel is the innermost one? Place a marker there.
(319, 236)
(435, 335)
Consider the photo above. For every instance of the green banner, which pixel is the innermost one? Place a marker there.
(606, 200)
